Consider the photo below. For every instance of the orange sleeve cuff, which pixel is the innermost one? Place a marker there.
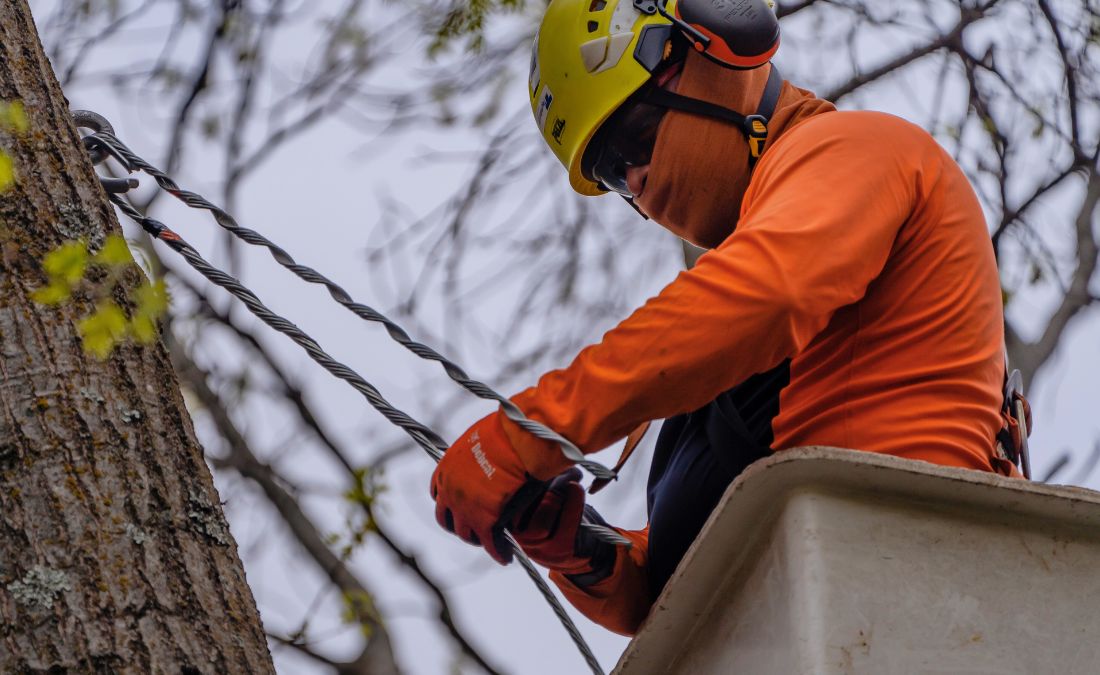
(621, 602)
(542, 459)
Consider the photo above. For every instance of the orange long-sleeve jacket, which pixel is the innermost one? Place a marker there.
(862, 255)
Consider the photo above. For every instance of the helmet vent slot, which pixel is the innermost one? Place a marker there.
(593, 26)
(597, 5)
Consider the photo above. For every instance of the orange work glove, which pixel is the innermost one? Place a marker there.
(480, 485)
(550, 533)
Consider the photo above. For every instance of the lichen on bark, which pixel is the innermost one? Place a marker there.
(39, 587)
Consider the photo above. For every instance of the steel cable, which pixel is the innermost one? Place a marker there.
(422, 435)
(105, 141)
(399, 335)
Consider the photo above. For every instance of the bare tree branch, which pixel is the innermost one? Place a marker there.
(1067, 65)
(1029, 357)
(950, 38)
(377, 655)
(293, 394)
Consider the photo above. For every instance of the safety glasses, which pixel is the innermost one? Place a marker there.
(625, 139)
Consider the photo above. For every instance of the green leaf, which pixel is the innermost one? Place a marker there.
(367, 486)
(150, 304)
(55, 293)
(152, 299)
(115, 252)
(143, 328)
(67, 262)
(359, 608)
(14, 116)
(7, 172)
(104, 329)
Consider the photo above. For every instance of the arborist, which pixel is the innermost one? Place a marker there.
(849, 296)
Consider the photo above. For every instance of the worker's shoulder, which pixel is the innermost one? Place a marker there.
(859, 125)
(859, 132)
(851, 150)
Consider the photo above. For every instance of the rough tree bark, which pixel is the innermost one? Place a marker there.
(114, 552)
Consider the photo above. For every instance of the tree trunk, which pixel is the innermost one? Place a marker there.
(114, 552)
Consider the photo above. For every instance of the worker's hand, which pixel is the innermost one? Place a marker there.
(550, 531)
(480, 486)
(547, 531)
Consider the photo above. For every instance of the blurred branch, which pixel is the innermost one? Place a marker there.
(98, 38)
(377, 655)
(252, 57)
(289, 390)
(1061, 463)
(295, 642)
(1068, 68)
(199, 82)
(1011, 216)
(1030, 356)
(1088, 465)
(785, 9)
(357, 667)
(948, 39)
(256, 471)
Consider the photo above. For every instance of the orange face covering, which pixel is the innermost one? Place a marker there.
(700, 166)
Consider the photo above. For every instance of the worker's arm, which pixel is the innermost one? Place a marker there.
(606, 582)
(621, 601)
(821, 217)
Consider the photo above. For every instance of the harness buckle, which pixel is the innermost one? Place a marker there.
(1016, 424)
(756, 130)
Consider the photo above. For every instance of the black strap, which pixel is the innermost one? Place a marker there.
(694, 106)
(766, 109)
(770, 99)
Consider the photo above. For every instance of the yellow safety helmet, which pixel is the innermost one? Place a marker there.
(583, 66)
(590, 56)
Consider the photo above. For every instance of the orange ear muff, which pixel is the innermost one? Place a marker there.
(739, 33)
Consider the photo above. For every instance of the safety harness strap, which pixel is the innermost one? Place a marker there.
(755, 126)
(632, 440)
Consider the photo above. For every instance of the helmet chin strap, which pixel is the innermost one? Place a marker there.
(754, 127)
(630, 200)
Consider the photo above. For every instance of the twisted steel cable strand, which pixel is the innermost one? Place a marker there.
(399, 335)
(425, 437)
(422, 435)
(104, 141)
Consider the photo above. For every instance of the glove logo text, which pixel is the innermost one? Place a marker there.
(483, 461)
